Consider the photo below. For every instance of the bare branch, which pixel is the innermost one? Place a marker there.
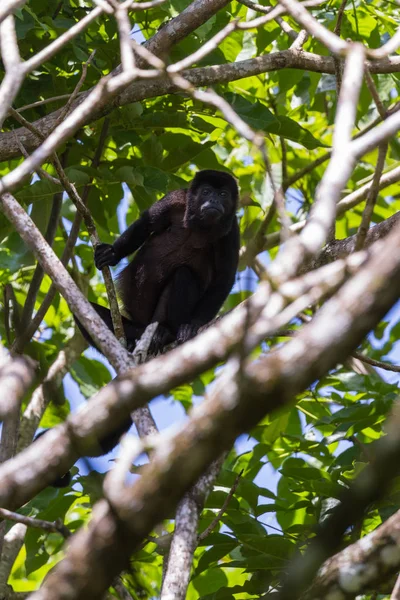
(30, 329)
(44, 393)
(178, 562)
(396, 590)
(55, 527)
(8, 7)
(339, 169)
(221, 512)
(76, 91)
(376, 363)
(16, 376)
(390, 47)
(332, 41)
(204, 49)
(12, 544)
(371, 198)
(273, 13)
(374, 93)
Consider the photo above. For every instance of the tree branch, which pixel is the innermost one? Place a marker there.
(238, 401)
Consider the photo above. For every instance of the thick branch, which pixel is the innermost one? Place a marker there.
(15, 379)
(184, 541)
(342, 248)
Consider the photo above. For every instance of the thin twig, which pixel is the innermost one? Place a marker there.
(338, 26)
(42, 102)
(215, 521)
(376, 363)
(323, 212)
(372, 197)
(300, 14)
(64, 112)
(38, 274)
(374, 93)
(53, 527)
(40, 172)
(338, 61)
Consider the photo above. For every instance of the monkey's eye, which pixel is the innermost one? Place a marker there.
(223, 194)
(205, 192)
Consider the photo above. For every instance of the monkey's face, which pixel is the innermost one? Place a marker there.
(213, 203)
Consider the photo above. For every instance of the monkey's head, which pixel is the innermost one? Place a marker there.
(212, 200)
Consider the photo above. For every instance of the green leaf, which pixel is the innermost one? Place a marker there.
(259, 117)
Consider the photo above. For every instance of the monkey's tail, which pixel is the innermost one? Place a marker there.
(132, 331)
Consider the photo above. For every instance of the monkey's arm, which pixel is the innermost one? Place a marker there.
(155, 219)
(218, 291)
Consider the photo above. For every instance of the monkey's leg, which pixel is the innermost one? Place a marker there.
(174, 307)
(184, 295)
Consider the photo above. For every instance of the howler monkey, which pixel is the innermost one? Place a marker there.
(187, 254)
(188, 248)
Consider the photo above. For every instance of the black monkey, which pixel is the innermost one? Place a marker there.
(188, 248)
(187, 254)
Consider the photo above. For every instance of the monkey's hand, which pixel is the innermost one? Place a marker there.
(187, 332)
(105, 256)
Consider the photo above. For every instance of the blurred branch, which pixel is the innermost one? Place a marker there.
(14, 75)
(46, 391)
(25, 335)
(38, 274)
(300, 14)
(12, 544)
(361, 566)
(87, 217)
(16, 377)
(348, 202)
(9, 6)
(322, 216)
(396, 590)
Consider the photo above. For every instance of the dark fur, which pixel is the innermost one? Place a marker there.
(187, 254)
